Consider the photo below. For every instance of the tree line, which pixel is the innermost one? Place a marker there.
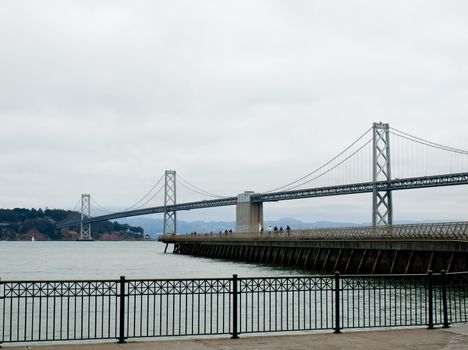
(22, 223)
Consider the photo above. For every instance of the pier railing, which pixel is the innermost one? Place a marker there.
(429, 231)
(34, 311)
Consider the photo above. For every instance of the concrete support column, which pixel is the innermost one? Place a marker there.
(249, 216)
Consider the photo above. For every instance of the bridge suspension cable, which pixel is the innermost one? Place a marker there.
(415, 156)
(134, 206)
(100, 207)
(419, 140)
(191, 187)
(70, 215)
(332, 168)
(149, 199)
(304, 179)
(144, 200)
(77, 204)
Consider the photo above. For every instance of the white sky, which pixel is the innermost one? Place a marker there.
(101, 97)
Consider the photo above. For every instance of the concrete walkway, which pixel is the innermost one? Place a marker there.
(455, 338)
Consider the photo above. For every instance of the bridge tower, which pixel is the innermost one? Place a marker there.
(85, 229)
(382, 208)
(170, 215)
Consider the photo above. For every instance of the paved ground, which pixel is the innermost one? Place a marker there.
(455, 338)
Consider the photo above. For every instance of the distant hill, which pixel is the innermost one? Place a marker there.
(23, 224)
(154, 227)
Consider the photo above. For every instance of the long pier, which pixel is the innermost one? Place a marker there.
(396, 249)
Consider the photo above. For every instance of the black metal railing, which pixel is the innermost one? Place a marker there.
(58, 310)
(178, 307)
(33, 311)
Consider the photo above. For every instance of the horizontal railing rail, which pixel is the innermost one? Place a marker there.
(34, 311)
(432, 231)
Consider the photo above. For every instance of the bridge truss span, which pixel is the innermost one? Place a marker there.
(428, 181)
(366, 187)
(155, 210)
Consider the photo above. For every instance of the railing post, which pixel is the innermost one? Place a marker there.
(337, 303)
(444, 299)
(235, 334)
(430, 324)
(122, 310)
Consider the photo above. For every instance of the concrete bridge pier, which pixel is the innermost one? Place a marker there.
(249, 215)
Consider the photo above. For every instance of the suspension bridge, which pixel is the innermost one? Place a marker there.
(367, 165)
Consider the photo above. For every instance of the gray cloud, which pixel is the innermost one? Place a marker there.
(103, 96)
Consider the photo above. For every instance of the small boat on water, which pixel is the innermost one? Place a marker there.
(32, 239)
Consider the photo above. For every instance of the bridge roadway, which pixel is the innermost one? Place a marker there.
(364, 187)
(404, 249)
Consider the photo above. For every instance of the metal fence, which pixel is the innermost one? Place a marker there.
(33, 311)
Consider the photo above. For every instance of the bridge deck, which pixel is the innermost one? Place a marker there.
(365, 187)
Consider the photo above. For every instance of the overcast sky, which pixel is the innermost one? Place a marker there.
(101, 97)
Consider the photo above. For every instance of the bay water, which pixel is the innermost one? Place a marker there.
(69, 260)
